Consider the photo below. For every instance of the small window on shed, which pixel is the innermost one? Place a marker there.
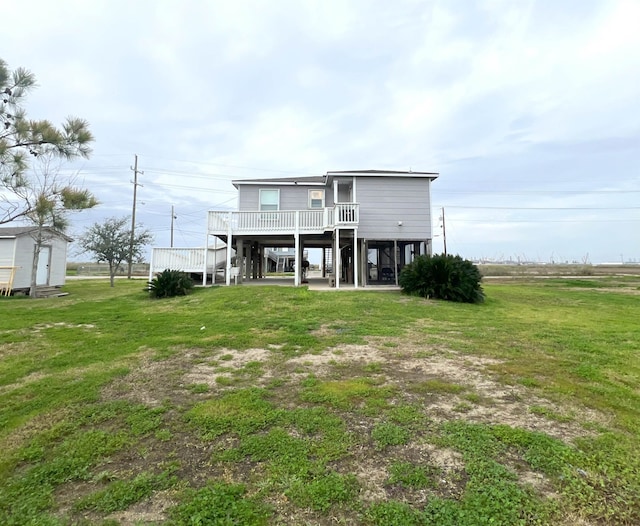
(316, 198)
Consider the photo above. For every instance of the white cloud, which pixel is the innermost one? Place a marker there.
(496, 95)
(280, 132)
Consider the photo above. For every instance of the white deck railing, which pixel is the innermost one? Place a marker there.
(184, 259)
(346, 214)
(280, 221)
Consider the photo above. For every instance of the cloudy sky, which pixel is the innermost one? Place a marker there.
(528, 109)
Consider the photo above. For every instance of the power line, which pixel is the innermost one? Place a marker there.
(297, 172)
(546, 207)
(536, 221)
(199, 188)
(215, 176)
(527, 192)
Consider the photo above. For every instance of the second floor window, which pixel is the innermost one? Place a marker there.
(269, 200)
(316, 198)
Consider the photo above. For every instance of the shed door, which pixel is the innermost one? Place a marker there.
(42, 275)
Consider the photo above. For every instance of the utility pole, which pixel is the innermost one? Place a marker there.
(173, 216)
(444, 233)
(133, 212)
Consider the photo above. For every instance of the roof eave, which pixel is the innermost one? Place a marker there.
(380, 173)
(273, 182)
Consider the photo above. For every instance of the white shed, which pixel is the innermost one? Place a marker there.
(16, 258)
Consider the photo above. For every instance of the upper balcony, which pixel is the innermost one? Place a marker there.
(283, 221)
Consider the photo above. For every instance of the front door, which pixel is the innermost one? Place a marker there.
(42, 274)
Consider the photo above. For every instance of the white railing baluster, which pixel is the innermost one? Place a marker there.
(283, 220)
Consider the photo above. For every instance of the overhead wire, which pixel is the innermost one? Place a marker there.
(216, 176)
(294, 172)
(544, 207)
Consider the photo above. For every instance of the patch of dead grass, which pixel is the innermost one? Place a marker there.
(404, 364)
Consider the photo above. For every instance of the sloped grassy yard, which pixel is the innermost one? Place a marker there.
(266, 405)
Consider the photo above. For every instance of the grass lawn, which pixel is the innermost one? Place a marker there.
(268, 405)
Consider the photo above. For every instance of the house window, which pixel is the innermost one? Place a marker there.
(269, 199)
(316, 198)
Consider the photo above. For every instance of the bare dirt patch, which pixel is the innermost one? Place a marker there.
(408, 364)
(30, 378)
(500, 403)
(209, 375)
(150, 511)
(41, 326)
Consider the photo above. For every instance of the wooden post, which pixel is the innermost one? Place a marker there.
(337, 258)
(355, 258)
(444, 233)
(206, 257)
(395, 259)
(133, 213)
(240, 258)
(296, 238)
(229, 245)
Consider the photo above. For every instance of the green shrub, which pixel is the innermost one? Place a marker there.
(170, 283)
(443, 277)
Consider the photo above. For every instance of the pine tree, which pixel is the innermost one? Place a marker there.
(22, 140)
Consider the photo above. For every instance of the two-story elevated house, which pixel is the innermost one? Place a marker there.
(368, 224)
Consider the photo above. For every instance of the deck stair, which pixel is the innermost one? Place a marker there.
(327, 264)
(45, 291)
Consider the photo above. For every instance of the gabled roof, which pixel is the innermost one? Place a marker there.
(314, 180)
(17, 231)
(322, 180)
(379, 173)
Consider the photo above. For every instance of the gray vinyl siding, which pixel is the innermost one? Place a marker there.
(248, 198)
(292, 197)
(344, 194)
(384, 201)
(24, 261)
(6, 252)
(58, 261)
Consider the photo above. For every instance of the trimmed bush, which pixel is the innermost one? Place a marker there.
(442, 277)
(170, 283)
